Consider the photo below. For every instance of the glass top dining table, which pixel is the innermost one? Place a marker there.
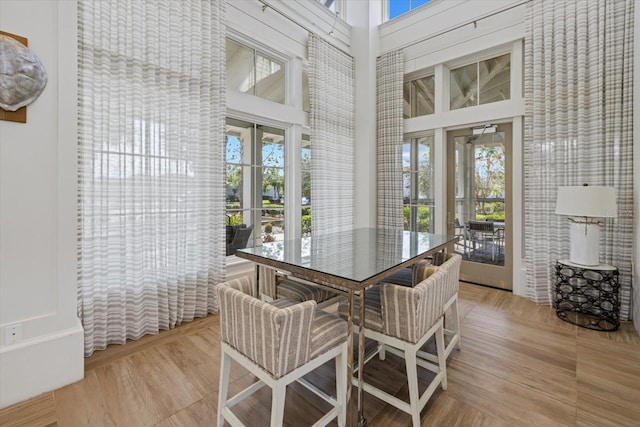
(349, 262)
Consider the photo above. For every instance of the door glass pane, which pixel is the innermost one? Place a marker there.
(269, 79)
(479, 164)
(425, 171)
(464, 86)
(417, 178)
(306, 185)
(495, 79)
(272, 152)
(238, 135)
(239, 67)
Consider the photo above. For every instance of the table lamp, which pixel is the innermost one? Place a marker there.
(585, 205)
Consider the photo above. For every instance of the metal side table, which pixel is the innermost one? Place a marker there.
(588, 296)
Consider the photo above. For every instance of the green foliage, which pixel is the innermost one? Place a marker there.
(423, 220)
(306, 211)
(268, 227)
(235, 219)
(306, 224)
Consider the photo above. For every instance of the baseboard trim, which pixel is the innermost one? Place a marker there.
(40, 365)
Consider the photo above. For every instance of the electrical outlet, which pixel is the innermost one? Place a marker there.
(12, 334)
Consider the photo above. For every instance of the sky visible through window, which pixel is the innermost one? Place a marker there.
(398, 7)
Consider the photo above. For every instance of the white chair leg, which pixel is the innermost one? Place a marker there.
(341, 385)
(412, 379)
(442, 356)
(225, 365)
(278, 395)
(456, 321)
(382, 354)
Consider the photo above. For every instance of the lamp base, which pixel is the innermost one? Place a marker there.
(585, 243)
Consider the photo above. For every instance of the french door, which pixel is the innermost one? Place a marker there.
(479, 203)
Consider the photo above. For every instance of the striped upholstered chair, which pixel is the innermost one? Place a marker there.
(450, 262)
(401, 319)
(273, 285)
(278, 342)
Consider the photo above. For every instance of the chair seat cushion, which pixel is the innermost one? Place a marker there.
(411, 276)
(327, 330)
(402, 277)
(372, 309)
(296, 291)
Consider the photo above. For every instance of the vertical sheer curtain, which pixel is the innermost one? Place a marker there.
(151, 173)
(578, 128)
(332, 99)
(390, 74)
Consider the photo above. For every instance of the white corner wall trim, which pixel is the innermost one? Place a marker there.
(43, 364)
(635, 296)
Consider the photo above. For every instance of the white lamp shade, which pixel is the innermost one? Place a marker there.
(587, 201)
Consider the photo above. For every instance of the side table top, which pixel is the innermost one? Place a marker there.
(588, 267)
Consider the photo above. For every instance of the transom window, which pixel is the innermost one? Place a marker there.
(480, 83)
(419, 97)
(396, 8)
(253, 72)
(335, 6)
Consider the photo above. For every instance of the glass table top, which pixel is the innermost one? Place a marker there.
(355, 255)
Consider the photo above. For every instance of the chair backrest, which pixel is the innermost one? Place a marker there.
(408, 313)
(267, 281)
(485, 226)
(276, 339)
(240, 239)
(450, 263)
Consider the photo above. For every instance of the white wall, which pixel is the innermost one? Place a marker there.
(365, 18)
(441, 36)
(636, 169)
(38, 212)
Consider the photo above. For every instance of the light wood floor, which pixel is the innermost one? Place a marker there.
(520, 366)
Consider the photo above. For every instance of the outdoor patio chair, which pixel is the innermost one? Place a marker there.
(482, 234)
(239, 240)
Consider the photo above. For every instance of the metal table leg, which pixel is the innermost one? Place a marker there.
(350, 358)
(361, 419)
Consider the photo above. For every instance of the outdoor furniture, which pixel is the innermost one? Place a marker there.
(239, 239)
(278, 342)
(483, 235)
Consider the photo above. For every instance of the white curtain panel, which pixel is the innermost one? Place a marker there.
(578, 129)
(389, 127)
(332, 100)
(151, 165)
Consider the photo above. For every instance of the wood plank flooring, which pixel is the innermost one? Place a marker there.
(519, 365)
